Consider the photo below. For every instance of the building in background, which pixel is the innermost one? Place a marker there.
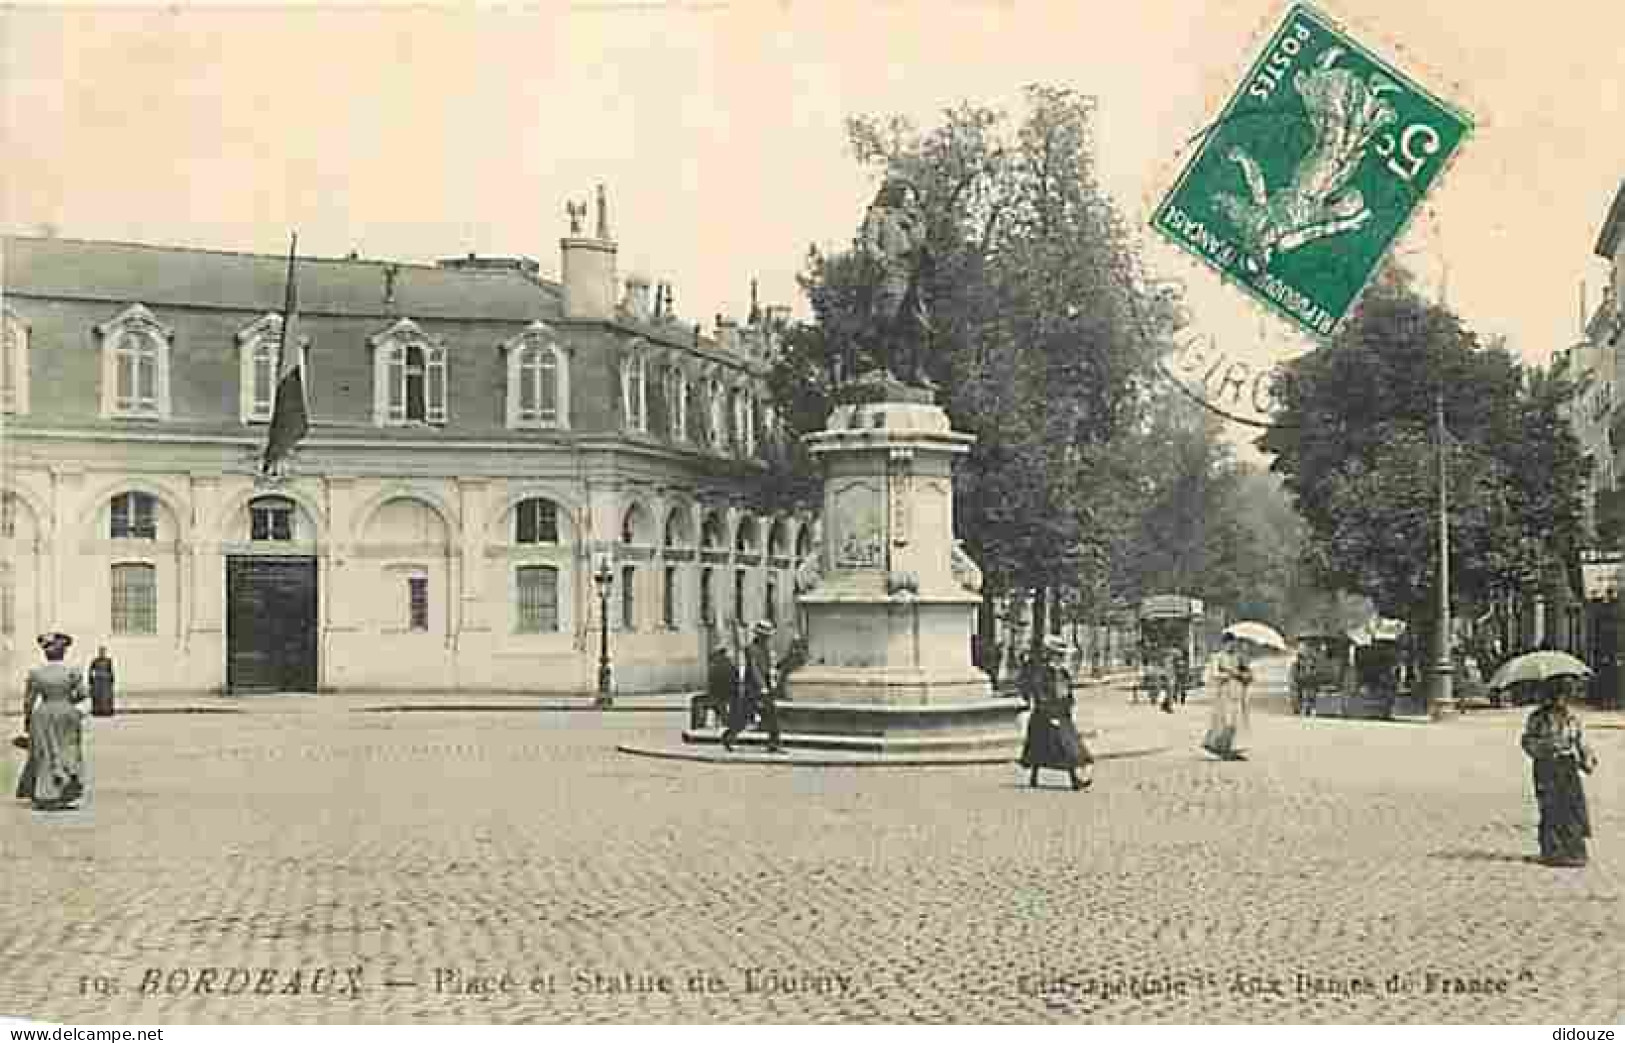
(481, 438)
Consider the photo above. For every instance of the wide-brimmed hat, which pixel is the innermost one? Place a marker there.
(764, 629)
(54, 639)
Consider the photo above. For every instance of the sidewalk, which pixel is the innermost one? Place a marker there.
(397, 702)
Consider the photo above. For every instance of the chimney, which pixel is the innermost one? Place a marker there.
(636, 302)
(588, 265)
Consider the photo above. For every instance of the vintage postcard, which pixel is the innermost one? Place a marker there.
(737, 513)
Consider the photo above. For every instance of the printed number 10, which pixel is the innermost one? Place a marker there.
(1416, 144)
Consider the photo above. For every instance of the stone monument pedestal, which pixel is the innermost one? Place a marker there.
(890, 600)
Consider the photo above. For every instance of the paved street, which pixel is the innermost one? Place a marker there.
(287, 864)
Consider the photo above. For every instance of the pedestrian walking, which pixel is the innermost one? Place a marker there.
(762, 683)
(1228, 679)
(720, 679)
(54, 777)
(1556, 745)
(1052, 736)
(737, 705)
(101, 683)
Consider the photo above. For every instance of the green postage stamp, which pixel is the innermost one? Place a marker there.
(1310, 173)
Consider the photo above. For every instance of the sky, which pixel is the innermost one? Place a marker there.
(414, 133)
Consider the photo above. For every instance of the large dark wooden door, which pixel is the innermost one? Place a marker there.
(271, 624)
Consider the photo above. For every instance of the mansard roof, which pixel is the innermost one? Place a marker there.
(161, 276)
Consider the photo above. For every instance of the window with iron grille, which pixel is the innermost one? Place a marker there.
(536, 521)
(708, 609)
(134, 517)
(772, 602)
(537, 587)
(629, 603)
(135, 599)
(668, 599)
(271, 519)
(417, 598)
(739, 596)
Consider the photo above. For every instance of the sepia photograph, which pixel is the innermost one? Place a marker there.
(985, 512)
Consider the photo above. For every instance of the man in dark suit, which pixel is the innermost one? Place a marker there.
(762, 683)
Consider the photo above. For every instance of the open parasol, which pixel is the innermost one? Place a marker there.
(1261, 634)
(1538, 666)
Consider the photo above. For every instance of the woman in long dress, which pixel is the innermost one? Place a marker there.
(1052, 737)
(1228, 677)
(1555, 744)
(56, 760)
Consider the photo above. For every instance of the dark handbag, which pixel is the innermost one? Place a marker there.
(20, 741)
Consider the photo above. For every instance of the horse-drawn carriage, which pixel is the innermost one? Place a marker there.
(1171, 648)
(1356, 674)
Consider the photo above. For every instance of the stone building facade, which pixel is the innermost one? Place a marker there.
(482, 442)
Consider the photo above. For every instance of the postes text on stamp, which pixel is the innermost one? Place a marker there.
(1301, 185)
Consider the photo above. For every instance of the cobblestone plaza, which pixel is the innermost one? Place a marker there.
(308, 861)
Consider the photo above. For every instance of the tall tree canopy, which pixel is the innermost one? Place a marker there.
(1357, 447)
(1043, 330)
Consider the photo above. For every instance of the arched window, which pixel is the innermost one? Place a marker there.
(677, 404)
(133, 516)
(538, 380)
(135, 365)
(677, 531)
(258, 346)
(745, 541)
(409, 377)
(717, 435)
(634, 393)
(271, 518)
(711, 533)
(536, 521)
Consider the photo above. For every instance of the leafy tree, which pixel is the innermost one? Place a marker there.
(1357, 447)
(1041, 331)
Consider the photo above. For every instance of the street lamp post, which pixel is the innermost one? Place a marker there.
(1443, 702)
(604, 579)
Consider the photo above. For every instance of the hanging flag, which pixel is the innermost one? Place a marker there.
(290, 417)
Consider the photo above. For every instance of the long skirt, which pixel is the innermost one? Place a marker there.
(1227, 721)
(1565, 821)
(1053, 742)
(56, 754)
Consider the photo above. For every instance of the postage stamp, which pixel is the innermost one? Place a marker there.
(1302, 184)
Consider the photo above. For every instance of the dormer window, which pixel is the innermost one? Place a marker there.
(135, 365)
(538, 380)
(133, 516)
(257, 348)
(409, 377)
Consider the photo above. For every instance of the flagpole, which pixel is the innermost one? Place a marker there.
(289, 306)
